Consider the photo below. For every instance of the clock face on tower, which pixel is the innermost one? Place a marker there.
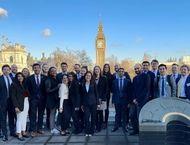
(100, 44)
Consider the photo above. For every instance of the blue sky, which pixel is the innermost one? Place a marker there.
(132, 27)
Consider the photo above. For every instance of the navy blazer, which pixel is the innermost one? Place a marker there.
(91, 97)
(141, 88)
(187, 87)
(121, 96)
(35, 92)
(3, 91)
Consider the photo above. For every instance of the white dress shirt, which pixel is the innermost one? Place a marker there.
(182, 86)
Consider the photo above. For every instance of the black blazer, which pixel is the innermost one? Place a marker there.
(3, 92)
(52, 89)
(152, 76)
(90, 97)
(141, 88)
(109, 78)
(74, 93)
(18, 93)
(102, 88)
(35, 92)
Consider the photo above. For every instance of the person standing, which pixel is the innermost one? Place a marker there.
(5, 83)
(52, 86)
(175, 73)
(90, 103)
(74, 101)
(64, 117)
(164, 84)
(121, 89)
(146, 70)
(45, 69)
(183, 86)
(19, 95)
(102, 89)
(64, 68)
(141, 92)
(37, 100)
(154, 65)
(109, 77)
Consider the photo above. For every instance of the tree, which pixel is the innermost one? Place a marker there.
(112, 60)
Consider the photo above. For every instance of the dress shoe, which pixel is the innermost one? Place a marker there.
(25, 135)
(40, 132)
(20, 138)
(13, 134)
(114, 129)
(134, 133)
(5, 138)
(33, 134)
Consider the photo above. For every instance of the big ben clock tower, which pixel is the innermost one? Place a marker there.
(100, 46)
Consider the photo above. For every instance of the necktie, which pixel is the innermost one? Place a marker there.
(162, 91)
(8, 85)
(38, 81)
(120, 84)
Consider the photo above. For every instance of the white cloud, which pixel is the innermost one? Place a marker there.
(3, 13)
(139, 39)
(47, 32)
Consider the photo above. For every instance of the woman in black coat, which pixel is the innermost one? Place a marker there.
(19, 95)
(90, 102)
(102, 88)
(52, 86)
(109, 77)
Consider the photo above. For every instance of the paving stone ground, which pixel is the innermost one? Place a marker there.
(105, 137)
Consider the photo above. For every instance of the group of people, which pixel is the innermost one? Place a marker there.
(81, 98)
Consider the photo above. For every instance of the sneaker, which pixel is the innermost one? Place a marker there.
(55, 131)
(90, 135)
(86, 135)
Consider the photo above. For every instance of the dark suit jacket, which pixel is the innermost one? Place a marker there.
(109, 78)
(121, 96)
(152, 76)
(90, 97)
(18, 93)
(74, 93)
(141, 88)
(102, 88)
(3, 92)
(35, 92)
(52, 89)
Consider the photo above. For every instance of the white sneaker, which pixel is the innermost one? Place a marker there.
(90, 135)
(86, 134)
(55, 131)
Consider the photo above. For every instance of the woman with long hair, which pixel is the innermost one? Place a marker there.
(90, 102)
(19, 95)
(109, 77)
(102, 88)
(52, 86)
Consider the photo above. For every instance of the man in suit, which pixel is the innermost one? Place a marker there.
(64, 68)
(146, 70)
(141, 93)
(115, 74)
(183, 85)
(14, 70)
(37, 99)
(121, 89)
(175, 73)
(154, 64)
(5, 83)
(164, 84)
(77, 69)
(12, 113)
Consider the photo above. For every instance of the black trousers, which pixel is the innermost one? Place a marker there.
(47, 118)
(121, 115)
(9, 109)
(133, 117)
(107, 109)
(65, 116)
(36, 113)
(90, 118)
(99, 120)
